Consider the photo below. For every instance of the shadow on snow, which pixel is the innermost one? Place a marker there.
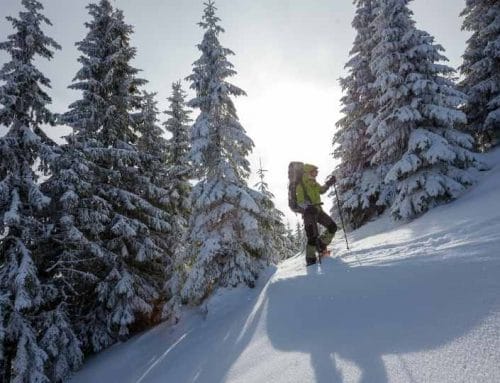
(362, 313)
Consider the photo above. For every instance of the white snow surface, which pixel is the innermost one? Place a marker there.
(411, 302)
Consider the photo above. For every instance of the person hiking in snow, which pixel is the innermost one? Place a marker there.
(308, 198)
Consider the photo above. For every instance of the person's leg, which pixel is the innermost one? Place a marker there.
(310, 255)
(311, 228)
(327, 236)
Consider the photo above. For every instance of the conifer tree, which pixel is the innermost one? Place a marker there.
(36, 340)
(481, 70)
(72, 255)
(291, 236)
(360, 185)
(414, 132)
(225, 234)
(127, 293)
(158, 182)
(180, 173)
(300, 237)
(112, 211)
(153, 175)
(275, 234)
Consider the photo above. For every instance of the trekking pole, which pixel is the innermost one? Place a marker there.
(342, 221)
(341, 217)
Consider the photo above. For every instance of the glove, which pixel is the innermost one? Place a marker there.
(330, 181)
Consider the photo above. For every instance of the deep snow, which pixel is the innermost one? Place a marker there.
(415, 302)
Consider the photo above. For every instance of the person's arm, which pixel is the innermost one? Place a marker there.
(329, 182)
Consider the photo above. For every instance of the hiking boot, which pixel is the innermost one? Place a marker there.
(320, 246)
(310, 261)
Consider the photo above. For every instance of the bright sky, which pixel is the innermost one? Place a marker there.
(289, 55)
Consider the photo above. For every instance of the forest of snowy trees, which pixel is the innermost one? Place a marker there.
(408, 137)
(106, 235)
(131, 218)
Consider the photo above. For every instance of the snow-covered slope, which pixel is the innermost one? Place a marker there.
(417, 302)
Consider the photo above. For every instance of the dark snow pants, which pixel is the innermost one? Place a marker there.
(314, 215)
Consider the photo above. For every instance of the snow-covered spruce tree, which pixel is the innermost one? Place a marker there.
(227, 247)
(179, 174)
(29, 351)
(481, 70)
(73, 254)
(158, 182)
(300, 237)
(154, 173)
(414, 130)
(360, 185)
(123, 260)
(291, 237)
(275, 235)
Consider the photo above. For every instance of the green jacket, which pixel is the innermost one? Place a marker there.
(313, 190)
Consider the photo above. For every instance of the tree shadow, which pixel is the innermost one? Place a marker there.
(227, 344)
(363, 313)
(162, 351)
